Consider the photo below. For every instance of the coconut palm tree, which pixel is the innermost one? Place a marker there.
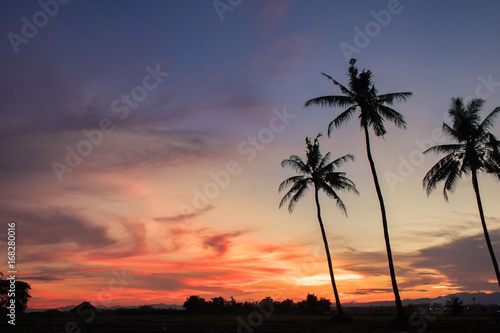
(319, 172)
(361, 95)
(474, 149)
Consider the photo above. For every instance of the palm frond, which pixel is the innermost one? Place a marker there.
(454, 173)
(473, 108)
(451, 133)
(394, 97)
(446, 148)
(296, 163)
(296, 198)
(343, 89)
(341, 118)
(341, 160)
(331, 101)
(376, 122)
(289, 181)
(332, 194)
(456, 107)
(297, 187)
(324, 161)
(437, 173)
(338, 181)
(492, 166)
(488, 122)
(393, 116)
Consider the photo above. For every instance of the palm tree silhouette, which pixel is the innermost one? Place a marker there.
(318, 171)
(373, 113)
(474, 149)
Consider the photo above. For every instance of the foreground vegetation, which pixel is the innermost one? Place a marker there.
(369, 319)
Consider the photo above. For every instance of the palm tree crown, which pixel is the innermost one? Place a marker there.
(361, 93)
(474, 148)
(317, 170)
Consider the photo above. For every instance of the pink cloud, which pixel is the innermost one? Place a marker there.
(292, 44)
(221, 242)
(274, 11)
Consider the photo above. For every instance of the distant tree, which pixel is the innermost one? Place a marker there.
(218, 304)
(410, 308)
(319, 172)
(195, 304)
(21, 298)
(267, 299)
(324, 304)
(455, 305)
(474, 149)
(146, 308)
(311, 300)
(286, 306)
(311, 305)
(374, 110)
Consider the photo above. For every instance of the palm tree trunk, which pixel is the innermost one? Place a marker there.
(399, 305)
(483, 222)
(325, 241)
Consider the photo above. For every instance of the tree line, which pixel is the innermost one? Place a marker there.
(311, 305)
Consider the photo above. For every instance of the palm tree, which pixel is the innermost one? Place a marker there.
(474, 149)
(374, 111)
(318, 171)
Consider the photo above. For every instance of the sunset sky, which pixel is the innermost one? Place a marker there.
(191, 110)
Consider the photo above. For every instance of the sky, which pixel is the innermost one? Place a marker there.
(141, 145)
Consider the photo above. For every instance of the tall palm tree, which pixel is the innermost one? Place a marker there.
(374, 111)
(474, 150)
(318, 171)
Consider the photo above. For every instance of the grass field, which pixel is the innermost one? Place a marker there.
(255, 323)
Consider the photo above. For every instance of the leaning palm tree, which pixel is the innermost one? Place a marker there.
(318, 171)
(374, 111)
(474, 149)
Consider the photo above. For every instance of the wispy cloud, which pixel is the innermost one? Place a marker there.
(185, 216)
(464, 261)
(221, 242)
(274, 11)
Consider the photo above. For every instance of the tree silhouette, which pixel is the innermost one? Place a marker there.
(455, 305)
(195, 304)
(318, 171)
(374, 111)
(22, 295)
(474, 149)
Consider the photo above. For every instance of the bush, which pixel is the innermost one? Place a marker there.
(455, 305)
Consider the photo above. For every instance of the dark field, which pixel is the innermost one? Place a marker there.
(220, 323)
